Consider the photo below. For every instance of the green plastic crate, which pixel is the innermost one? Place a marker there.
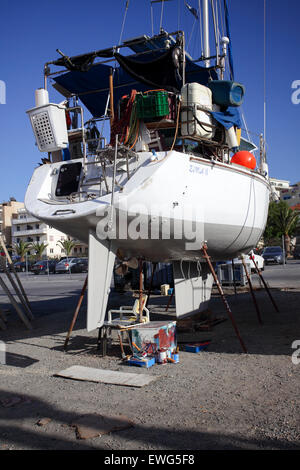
(152, 105)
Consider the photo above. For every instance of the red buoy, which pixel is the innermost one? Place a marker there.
(244, 158)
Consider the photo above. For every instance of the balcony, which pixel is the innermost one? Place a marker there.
(26, 220)
(24, 233)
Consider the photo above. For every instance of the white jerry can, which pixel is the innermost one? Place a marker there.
(196, 122)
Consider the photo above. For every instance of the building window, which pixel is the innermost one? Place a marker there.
(75, 250)
(37, 239)
(37, 226)
(18, 228)
(29, 227)
(51, 238)
(51, 250)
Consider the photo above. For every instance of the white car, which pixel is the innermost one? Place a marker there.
(259, 260)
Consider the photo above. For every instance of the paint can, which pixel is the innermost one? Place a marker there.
(162, 356)
(175, 357)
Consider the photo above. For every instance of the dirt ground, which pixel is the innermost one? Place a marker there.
(217, 399)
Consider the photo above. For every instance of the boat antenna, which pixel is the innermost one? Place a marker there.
(200, 25)
(265, 87)
(206, 32)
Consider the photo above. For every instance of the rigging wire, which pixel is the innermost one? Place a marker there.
(191, 34)
(152, 25)
(124, 19)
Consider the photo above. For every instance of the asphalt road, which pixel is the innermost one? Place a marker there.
(281, 276)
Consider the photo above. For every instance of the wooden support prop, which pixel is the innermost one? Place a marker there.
(265, 284)
(15, 305)
(204, 250)
(252, 291)
(111, 94)
(151, 282)
(19, 294)
(15, 273)
(76, 313)
(170, 300)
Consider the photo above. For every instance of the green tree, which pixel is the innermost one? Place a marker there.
(66, 245)
(39, 249)
(282, 221)
(22, 248)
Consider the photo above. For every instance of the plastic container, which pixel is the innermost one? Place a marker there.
(49, 127)
(227, 93)
(231, 138)
(193, 120)
(151, 105)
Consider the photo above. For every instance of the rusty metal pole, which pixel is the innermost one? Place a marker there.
(265, 284)
(204, 250)
(233, 276)
(141, 290)
(76, 313)
(252, 291)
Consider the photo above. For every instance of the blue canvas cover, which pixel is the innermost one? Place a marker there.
(92, 86)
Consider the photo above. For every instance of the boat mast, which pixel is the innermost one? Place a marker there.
(205, 17)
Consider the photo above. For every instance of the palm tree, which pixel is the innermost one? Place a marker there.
(22, 248)
(66, 245)
(282, 221)
(39, 249)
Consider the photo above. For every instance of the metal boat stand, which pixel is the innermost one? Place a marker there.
(265, 284)
(76, 313)
(27, 315)
(207, 258)
(252, 291)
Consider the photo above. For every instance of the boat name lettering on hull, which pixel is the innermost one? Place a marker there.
(198, 170)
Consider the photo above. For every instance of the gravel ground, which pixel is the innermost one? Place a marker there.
(217, 399)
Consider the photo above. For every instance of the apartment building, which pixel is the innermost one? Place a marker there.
(27, 228)
(292, 195)
(8, 210)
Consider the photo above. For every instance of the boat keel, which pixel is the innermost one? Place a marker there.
(101, 262)
(193, 283)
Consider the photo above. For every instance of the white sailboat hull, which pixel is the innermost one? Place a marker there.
(165, 210)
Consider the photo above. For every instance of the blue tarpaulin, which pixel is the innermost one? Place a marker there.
(230, 117)
(92, 86)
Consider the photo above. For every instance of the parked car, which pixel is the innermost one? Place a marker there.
(296, 254)
(80, 266)
(65, 265)
(44, 267)
(273, 254)
(259, 260)
(20, 266)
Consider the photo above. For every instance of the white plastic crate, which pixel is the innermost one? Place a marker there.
(225, 273)
(49, 127)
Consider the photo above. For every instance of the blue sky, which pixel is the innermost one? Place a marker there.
(31, 32)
